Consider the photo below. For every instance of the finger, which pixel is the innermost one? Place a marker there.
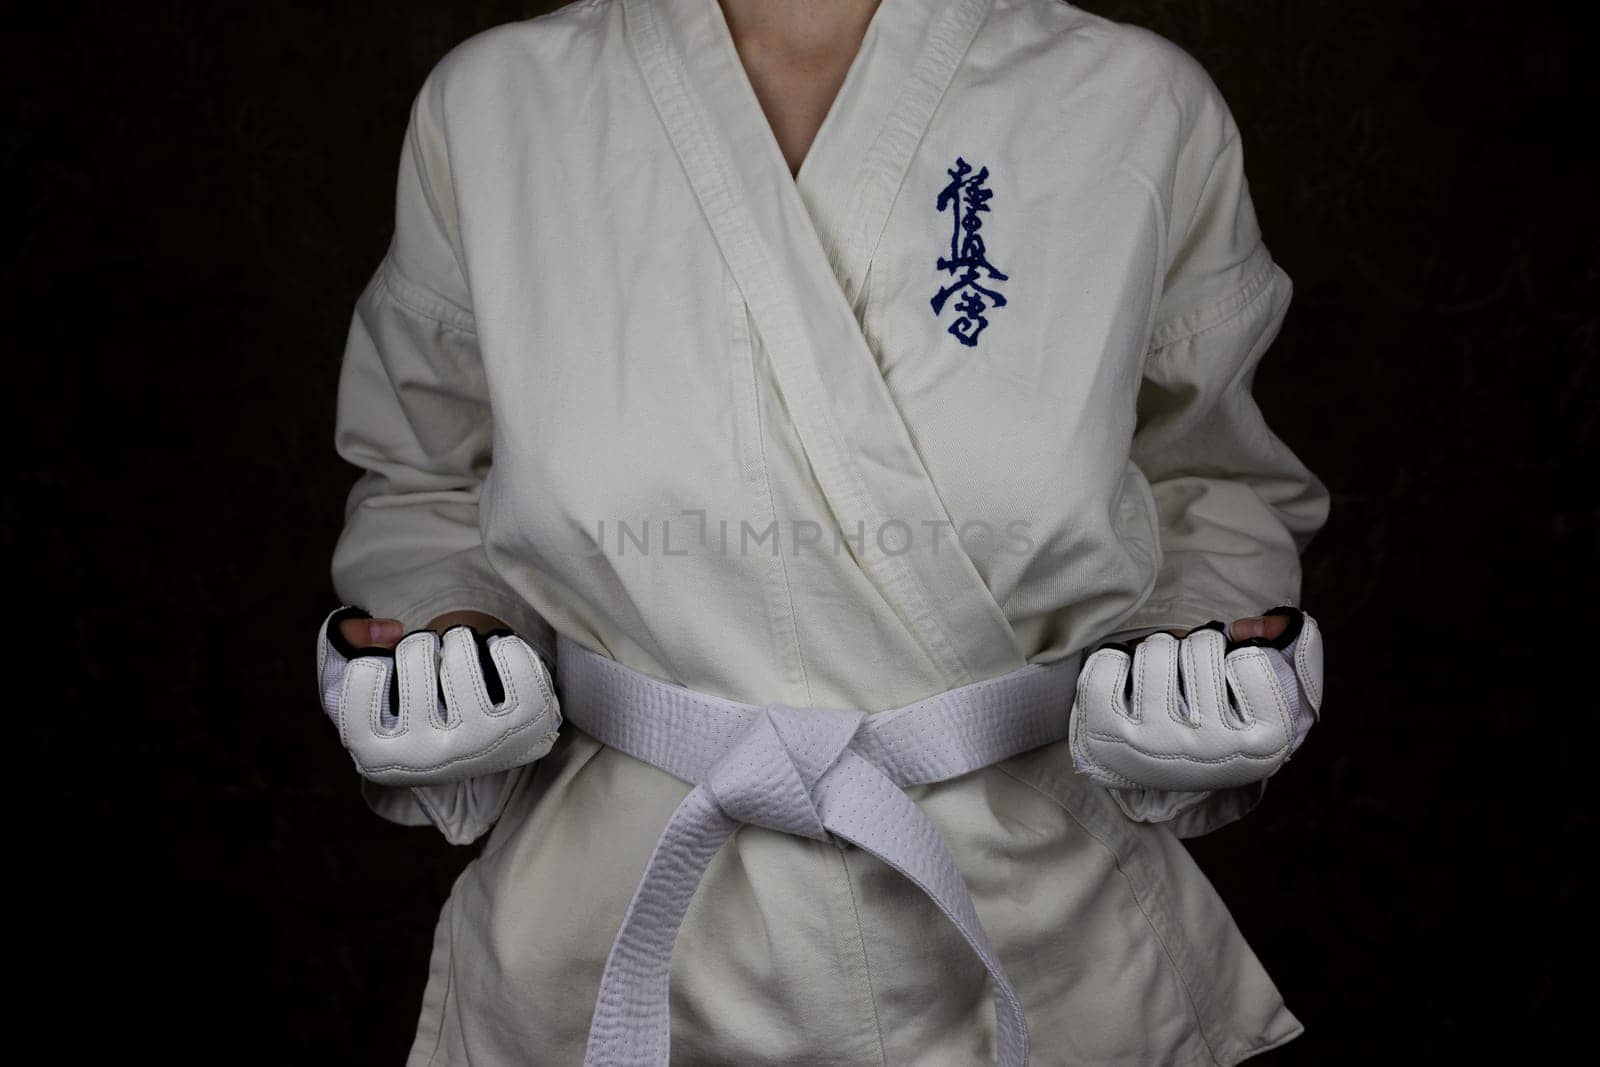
(526, 680)
(476, 619)
(1159, 703)
(1099, 706)
(417, 682)
(1103, 683)
(372, 633)
(1263, 684)
(1307, 651)
(467, 681)
(1205, 683)
(363, 700)
(1267, 626)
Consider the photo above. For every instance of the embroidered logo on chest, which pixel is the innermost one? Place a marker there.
(973, 277)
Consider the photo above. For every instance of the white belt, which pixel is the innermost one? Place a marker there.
(806, 771)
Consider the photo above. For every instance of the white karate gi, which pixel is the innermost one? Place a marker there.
(604, 277)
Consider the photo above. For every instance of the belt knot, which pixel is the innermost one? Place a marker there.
(769, 777)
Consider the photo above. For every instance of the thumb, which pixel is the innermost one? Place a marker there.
(372, 633)
(1267, 626)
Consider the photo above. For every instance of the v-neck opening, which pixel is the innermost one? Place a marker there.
(801, 174)
(851, 169)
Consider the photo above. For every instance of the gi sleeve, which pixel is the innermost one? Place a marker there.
(1235, 506)
(414, 416)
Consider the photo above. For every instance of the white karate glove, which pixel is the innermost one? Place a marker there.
(1198, 713)
(436, 709)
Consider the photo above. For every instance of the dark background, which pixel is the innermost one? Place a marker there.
(204, 188)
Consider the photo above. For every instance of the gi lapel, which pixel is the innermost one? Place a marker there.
(860, 448)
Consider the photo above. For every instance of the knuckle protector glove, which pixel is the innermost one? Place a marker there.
(438, 708)
(1197, 713)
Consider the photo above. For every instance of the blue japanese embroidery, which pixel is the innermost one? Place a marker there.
(966, 199)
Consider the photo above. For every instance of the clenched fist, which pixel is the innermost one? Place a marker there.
(430, 708)
(1199, 711)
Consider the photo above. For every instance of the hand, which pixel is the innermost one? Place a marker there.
(1270, 627)
(427, 708)
(386, 633)
(1211, 708)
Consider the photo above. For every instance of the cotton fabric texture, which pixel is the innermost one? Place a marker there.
(620, 376)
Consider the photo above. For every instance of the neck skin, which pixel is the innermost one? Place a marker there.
(796, 56)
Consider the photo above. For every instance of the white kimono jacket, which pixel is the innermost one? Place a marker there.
(972, 390)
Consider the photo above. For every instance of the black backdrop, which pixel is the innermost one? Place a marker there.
(202, 189)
